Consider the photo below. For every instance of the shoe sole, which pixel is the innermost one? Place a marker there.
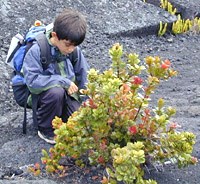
(47, 140)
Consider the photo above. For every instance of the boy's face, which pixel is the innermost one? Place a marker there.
(64, 46)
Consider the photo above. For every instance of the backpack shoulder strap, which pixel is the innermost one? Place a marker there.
(45, 49)
(46, 59)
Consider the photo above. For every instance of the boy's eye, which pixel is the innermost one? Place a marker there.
(68, 45)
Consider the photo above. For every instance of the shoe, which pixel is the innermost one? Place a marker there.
(48, 138)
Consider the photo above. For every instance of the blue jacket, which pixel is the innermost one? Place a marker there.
(56, 75)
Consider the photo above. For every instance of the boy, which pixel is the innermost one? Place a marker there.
(57, 85)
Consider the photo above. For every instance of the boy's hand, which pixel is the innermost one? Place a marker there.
(72, 88)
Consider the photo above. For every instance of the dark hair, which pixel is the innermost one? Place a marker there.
(70, 25)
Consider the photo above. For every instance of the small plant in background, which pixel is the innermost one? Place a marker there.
(117, 127)
(165, 4)
(168, 7)
(181, 26)
(195, 25)
(162, 29)
(36, 170)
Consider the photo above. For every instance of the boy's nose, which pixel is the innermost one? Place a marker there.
(71, 49)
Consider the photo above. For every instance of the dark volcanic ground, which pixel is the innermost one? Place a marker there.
(17, 151)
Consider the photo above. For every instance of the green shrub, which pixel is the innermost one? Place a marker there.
(117, 127)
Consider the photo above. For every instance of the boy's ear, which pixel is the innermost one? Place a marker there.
(54, 35)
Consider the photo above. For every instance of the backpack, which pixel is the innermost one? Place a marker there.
(18, 48)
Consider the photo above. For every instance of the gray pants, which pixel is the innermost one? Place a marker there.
(54, 102)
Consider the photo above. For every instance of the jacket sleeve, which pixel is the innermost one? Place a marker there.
(81, 69)
(36, 79)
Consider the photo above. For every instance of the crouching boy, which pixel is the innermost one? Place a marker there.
(58, 85)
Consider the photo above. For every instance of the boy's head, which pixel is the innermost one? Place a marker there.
(69, 29)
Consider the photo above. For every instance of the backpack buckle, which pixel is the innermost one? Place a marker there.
(43, 60)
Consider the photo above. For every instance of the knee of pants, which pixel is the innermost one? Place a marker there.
(55, 94)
